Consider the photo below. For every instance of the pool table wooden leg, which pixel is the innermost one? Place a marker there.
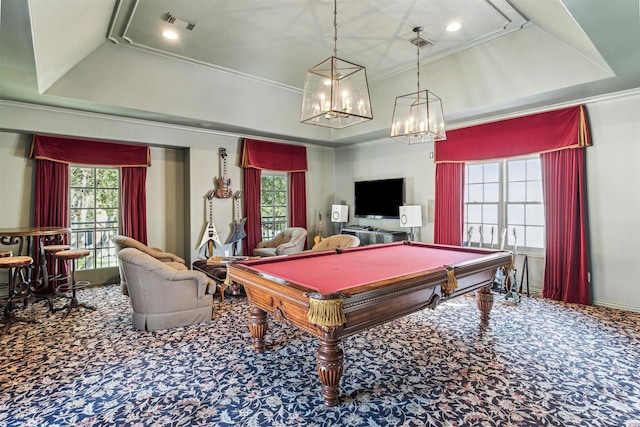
(330, 362)
(258, 328)
(484, 300)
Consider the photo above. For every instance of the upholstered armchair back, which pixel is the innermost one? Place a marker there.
(338, 241)
(121, 242)
(289, 241)
(163, 297)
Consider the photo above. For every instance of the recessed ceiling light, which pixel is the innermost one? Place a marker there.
(168, 34)
(454, 26)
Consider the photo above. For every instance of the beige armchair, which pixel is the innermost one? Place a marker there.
(163, 297)
(288, 241)
(338, 241)
(122, 242)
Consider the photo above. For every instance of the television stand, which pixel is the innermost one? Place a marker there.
(370, 235)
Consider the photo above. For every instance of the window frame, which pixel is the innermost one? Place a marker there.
(503, 203)
(270, 228)
(103, 255)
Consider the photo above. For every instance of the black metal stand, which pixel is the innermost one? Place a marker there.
(525, 273)
(71, 286)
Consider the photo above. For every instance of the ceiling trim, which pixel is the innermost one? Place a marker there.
(135, 121)
(125, 10)
(335, 145)
(506, 116)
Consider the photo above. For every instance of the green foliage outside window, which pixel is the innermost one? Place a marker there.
(273, 204)
(94, 202)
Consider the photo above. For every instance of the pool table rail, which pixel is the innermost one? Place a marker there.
(368, 305)
(364, 306)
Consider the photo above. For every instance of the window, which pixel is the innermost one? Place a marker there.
(94, 211)
(273, 204)
(505, 194)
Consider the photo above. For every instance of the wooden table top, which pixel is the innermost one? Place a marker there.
(33, 231)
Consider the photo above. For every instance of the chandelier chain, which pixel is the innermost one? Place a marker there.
(335, 28)
(418, 60)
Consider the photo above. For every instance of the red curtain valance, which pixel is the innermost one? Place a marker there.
(274, 156)
(536, 133)
(88, 152)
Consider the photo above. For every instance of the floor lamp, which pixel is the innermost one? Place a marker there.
(411, 216)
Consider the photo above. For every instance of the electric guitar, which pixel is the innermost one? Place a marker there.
(481, 237)
(210, 235)
(237, 232)
(469, 233)
(511, 280)
(503, 238)
(223, 183)
(319, 237)
(491, 243)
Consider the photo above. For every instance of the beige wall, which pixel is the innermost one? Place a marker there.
(165, 194)
(185, 162)
(613, 191)
(613, 187)
(166, 199)
(17, 173)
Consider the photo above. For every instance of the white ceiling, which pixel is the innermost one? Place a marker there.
(245, 60)
(277, 41)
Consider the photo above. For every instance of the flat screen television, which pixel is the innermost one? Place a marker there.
(379, 198)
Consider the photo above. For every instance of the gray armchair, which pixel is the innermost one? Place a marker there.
(122, 242)
(288, 241)
(163, 297)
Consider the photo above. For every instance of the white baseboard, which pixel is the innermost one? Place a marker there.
(618, 306)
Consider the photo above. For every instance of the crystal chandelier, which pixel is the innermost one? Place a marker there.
(336, 93)
(418, 117)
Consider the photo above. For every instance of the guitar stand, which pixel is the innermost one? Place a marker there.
(525, 270)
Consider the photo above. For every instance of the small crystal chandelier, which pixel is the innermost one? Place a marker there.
(418, 117)
(336, 93)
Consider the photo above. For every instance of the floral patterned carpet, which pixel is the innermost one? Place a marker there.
(540, 363)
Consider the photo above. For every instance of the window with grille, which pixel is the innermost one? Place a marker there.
(94, 199)
(273, 204)
(505, 195)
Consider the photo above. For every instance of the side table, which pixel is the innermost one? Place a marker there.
(216, 269)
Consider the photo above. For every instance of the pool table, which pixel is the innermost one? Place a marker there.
(334, 294)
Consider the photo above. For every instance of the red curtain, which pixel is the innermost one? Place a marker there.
(89, 152)
(252, 209)
(298, 200)
(258, 155)
(566, 262)
(133, 159)
(558, 137)
(52, 196)
(274, 156)
(134, 202)
(51, 202)
(449, 203)
(533, 134)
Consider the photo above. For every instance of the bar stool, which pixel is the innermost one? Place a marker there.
(68, 284)
(54, 271)
(6, 254)
(16, 292)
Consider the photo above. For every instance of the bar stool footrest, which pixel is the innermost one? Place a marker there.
(68, 287)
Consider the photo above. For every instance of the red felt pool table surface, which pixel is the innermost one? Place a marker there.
(329, 272)
(334, 294)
